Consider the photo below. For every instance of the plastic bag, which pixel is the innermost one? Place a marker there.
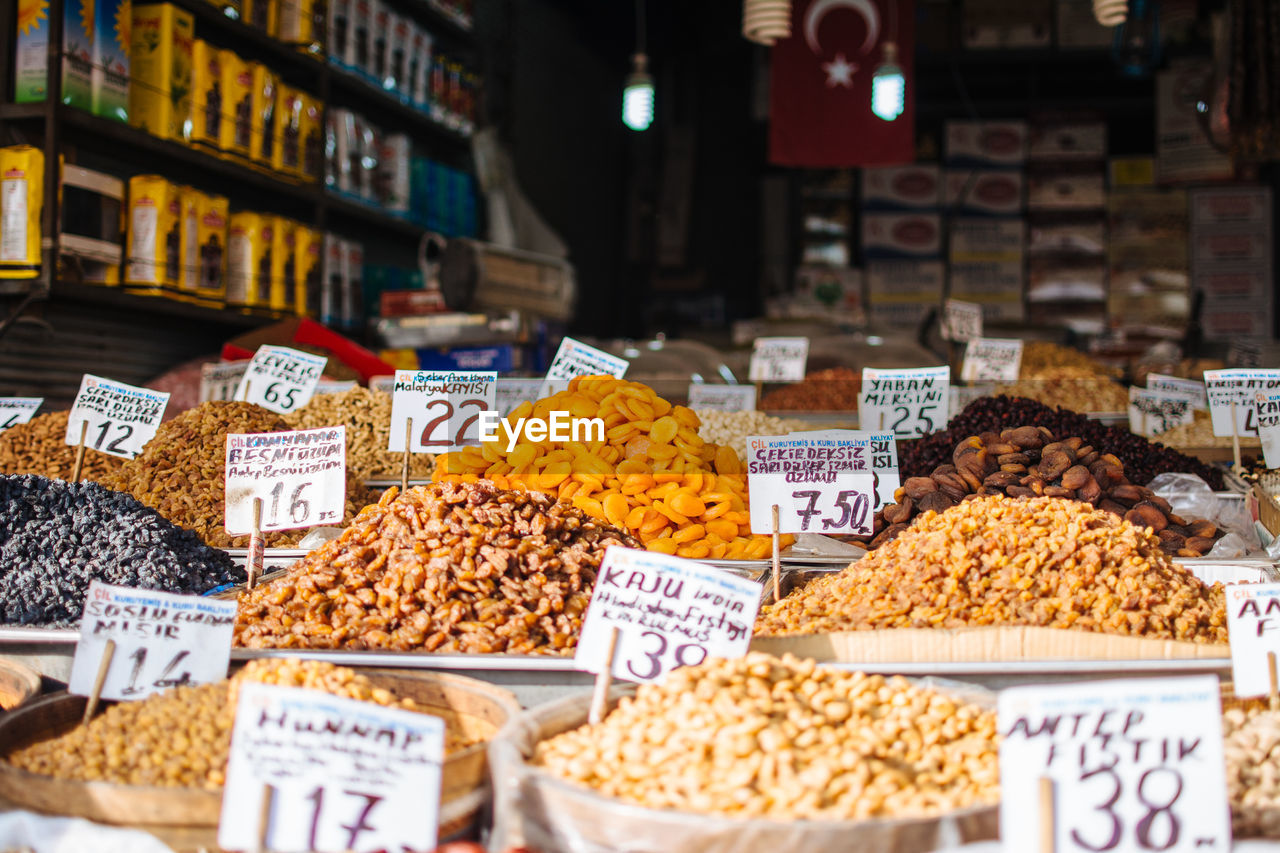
(28, 830)
(1192, 498)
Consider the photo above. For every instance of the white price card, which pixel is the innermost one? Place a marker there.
(17, 410)
(300, 477)
(992, 359)
(1192, 389)
(445, 405)
(820, 482)
(512, 392)
(1253, 625)
(669, 612)
(722, 398)
(778, 359)
(574, 358)
(1238, 387)
(344, 775)
(908, 403)
(121, 418)
(221, 381)
(335, 386)
(162, 640)
(281, 379)
(1153, 412)
(961, 321)
(1268, 406)
(879, 449)
(1128, 765)
(385, 384)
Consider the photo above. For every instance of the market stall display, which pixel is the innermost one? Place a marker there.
(995, 560)
(1251, 735)
(57, 537)
(1038, 356)
(833, 389)
(367, 416)
(1030, 461)
(1199, 433)
(39, 447)
(1075, 388)
(182, 471)
(1142, 459)
(445, 568)
(652, 476)
(733, 428)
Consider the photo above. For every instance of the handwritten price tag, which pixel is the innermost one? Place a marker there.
(1132, 765)
(300, 477)
(1238, 387)
(820, 483)
(162, 640)
(722, 398)
(221, 381)
(1192, 389)
(281, 379)
(17, 410)
(347, 775)
(1253, 623)
(575, 358)
(121, 418)
(909, 403)
(778, 359)
(992, 359)
(669, 612)
(1153, 412)
(445, 406)
(1268, 407)
(961, 321)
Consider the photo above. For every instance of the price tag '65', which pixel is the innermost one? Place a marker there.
(300, 477)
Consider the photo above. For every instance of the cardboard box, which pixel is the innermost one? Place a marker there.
(986, 143)
(915, 187)
(111, 66)
(359, 53)
(297, 25)
(284, 264)
(1075, 141)
(31, 55)
(380, 44)
(1077, 238)
(420, 67)
(1248, 206)
(900, 293)
(152, 260)
(1237, 246)
(992, 192)
(160, 57)
(395, 152)
(1066, 191)
(1131, 172)
(333, 283)
(400, 42)
(901, 235)
(983, 240)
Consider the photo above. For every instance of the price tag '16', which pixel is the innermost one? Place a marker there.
(162, 640)
(281, 379)
(300, 477)
(329, 774)
(778, 359)
(997, 359)
(18, 410)
(445, 406)
(1268, 406)
(669, 612)
(820, 482)
(1128, 765)
(909, 403)
(121, 418)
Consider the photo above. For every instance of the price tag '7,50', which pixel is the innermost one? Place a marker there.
(445, 406)
(300, 477)
(820, 484)
(121, 418)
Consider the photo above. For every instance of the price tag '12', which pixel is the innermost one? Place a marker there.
(300, 477)
(669, 612)
(121, 418)
(445, 407)
(281, 379)
(162, 640)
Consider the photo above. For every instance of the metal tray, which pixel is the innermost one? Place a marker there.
(384, 483)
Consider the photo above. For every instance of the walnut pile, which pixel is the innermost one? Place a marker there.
(1003, 561)
(449, 567)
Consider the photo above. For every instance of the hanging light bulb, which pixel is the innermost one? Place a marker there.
(637, 97)
(888, 86)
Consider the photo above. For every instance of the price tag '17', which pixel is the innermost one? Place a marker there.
(722, 398)
(778, 359)
(1153, 412)
(575, 358)
(1238, 387)
(821, 483)
(329, 774)
(162, 640)
(669, 612)
(445, 407)
(961, 321)
(995, 359)
(300, 477)
(281, 379)
(121, 418)
(1128, 765)
(1268, 408)
(17, 410)
(909, 403)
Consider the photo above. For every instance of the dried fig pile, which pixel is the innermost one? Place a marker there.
(1029, 461)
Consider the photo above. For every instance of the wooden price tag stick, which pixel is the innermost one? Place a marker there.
(1048, 816)
(75, 474)
(264, 816)
(404, 469)
(1235, 439)
(777, 558)
(759, 392)
(600, 694)
(108, 652)
(257, 545)
(1274, 693)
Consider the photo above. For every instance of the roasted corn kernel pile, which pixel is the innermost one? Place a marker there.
(181, 738)
(1051, 562)
(651, 475)
(781, 738)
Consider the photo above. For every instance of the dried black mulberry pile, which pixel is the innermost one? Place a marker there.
(56, 537)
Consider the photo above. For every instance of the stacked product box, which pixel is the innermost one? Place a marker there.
(902, 242)
(1147, 254)
(1066, 195)
(1231, 261)
(984, 195)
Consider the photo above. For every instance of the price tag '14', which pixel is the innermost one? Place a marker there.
(445, 407)
(669, 612)
(162, 640)
(281, 379)
(121, 418)
(300, 477)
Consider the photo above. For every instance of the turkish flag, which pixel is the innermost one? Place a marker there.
(820, 98)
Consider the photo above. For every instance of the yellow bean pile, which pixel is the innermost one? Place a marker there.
(652, 475)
